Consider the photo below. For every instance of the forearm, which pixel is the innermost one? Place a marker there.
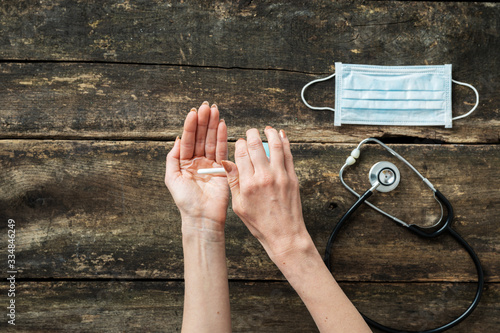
(206, 297)
(329, 306)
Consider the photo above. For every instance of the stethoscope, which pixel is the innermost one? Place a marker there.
(385, 177)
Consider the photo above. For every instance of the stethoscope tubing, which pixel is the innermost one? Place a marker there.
(445, 228)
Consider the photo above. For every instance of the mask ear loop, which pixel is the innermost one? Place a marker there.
(313, 82)
(477, 99)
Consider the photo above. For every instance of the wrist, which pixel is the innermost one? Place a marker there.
(300, 262)
(202, 229)
(292, 249)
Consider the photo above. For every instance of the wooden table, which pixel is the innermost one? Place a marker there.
(93, 94)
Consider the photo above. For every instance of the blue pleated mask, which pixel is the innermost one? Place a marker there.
(392, 95)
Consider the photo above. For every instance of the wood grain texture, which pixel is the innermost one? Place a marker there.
(115, 101)
(298, 35)
(90, 213)
(133, 306)
(88, 209)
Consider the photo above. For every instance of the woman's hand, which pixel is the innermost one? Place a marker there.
(201, 199)
(266, 192)
(266, 197)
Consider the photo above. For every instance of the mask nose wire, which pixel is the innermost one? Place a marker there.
(477, 99)
(311, 83)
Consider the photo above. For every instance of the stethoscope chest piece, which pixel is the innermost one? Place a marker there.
(386, 174)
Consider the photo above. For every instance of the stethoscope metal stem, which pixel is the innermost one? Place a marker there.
(374, 187)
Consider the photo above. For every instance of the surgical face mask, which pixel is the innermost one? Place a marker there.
(392, 95)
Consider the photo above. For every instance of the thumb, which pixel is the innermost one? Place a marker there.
(233, 178)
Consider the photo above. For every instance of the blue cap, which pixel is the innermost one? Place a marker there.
(266, 148)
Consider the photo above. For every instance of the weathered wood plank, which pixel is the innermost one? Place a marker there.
(87, 209)
(118, 306)
(294, 35)
(39, 100)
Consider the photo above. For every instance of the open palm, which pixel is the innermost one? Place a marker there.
(203, 145)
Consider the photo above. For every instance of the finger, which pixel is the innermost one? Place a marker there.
(287, 153)
(211, 138)
(189, 135)
(242, 159)
(232, 177)
(201, 131)
(277, 158)
(221, 149)
(256, 150)
(172, 167)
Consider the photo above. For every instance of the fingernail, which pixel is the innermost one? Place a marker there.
(177, 139)
(192, 110)
(227, 166)
(214, 105)
(205, 103)
(268, 127)
(222, 121)
(283, 135)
